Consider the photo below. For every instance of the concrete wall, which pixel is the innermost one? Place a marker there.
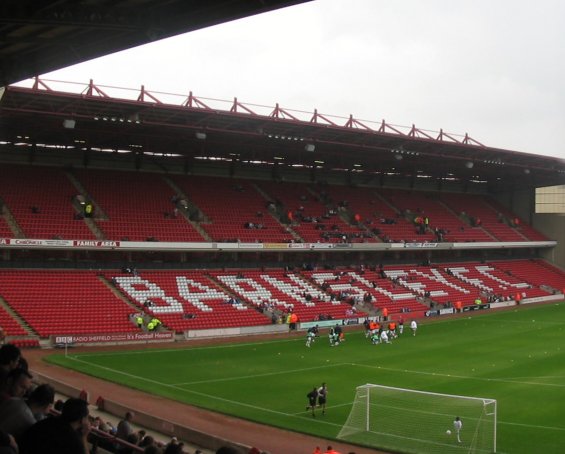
(109, 405)
(522, 203)
(553, 225)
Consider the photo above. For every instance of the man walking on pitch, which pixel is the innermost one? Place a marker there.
(457, 426)
(312, 398)
(322, 397)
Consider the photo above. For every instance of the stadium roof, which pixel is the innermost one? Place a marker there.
(40, 36)
(184, 128)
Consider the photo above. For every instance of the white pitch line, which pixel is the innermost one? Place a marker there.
(328, 407)
(266, 374)
(464, 377)
(531, 426)
(190, 391)
(169, 350)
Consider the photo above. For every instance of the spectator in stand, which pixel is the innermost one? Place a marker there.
(145, 440)
(10, 356)
(174, 447)
(330, 450)
(66, 433)
(17, 415)
(124, 426)
(152, 450)
(385, 313)
(17, 384)
(133, 440)
(227, 450)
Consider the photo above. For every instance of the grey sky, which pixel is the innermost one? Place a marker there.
(491, 68)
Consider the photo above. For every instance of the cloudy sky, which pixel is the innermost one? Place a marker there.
(494, 69)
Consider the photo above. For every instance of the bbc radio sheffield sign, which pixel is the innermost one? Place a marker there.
(155, 336)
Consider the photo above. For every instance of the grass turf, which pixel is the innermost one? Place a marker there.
(515, 356)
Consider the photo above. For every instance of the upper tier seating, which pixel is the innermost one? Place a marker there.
(375, 213)
(519, 224)
(5, 230)
(138, 206)
(491, 220)
(44, 209)
(313, 220)
(429, 205)
(65, 302)
(230, 205)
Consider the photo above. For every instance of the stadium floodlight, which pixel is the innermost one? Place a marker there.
(310, 147)
(410, 421)
(69, 124)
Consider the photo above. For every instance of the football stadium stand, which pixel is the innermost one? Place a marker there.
(63, 302)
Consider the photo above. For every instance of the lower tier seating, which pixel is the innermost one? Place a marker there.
(89, 302)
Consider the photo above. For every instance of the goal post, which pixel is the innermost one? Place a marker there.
(411, 421)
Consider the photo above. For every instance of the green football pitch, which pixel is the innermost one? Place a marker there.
(515, 356)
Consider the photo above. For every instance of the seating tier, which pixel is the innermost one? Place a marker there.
(64, 302)
(230, 205)
(44, 209)
(137, 206)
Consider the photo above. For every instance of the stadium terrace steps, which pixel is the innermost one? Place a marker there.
(9, 321)
(311, 218)
(231, 205)
(440, 215)
(492, 219)
(138, 207)
(5, 230)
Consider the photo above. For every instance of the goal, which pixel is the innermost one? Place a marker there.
(410, 421)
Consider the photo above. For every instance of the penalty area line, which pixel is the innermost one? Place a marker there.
(197, 393)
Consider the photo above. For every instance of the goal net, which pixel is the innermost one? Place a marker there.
(409, 421)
